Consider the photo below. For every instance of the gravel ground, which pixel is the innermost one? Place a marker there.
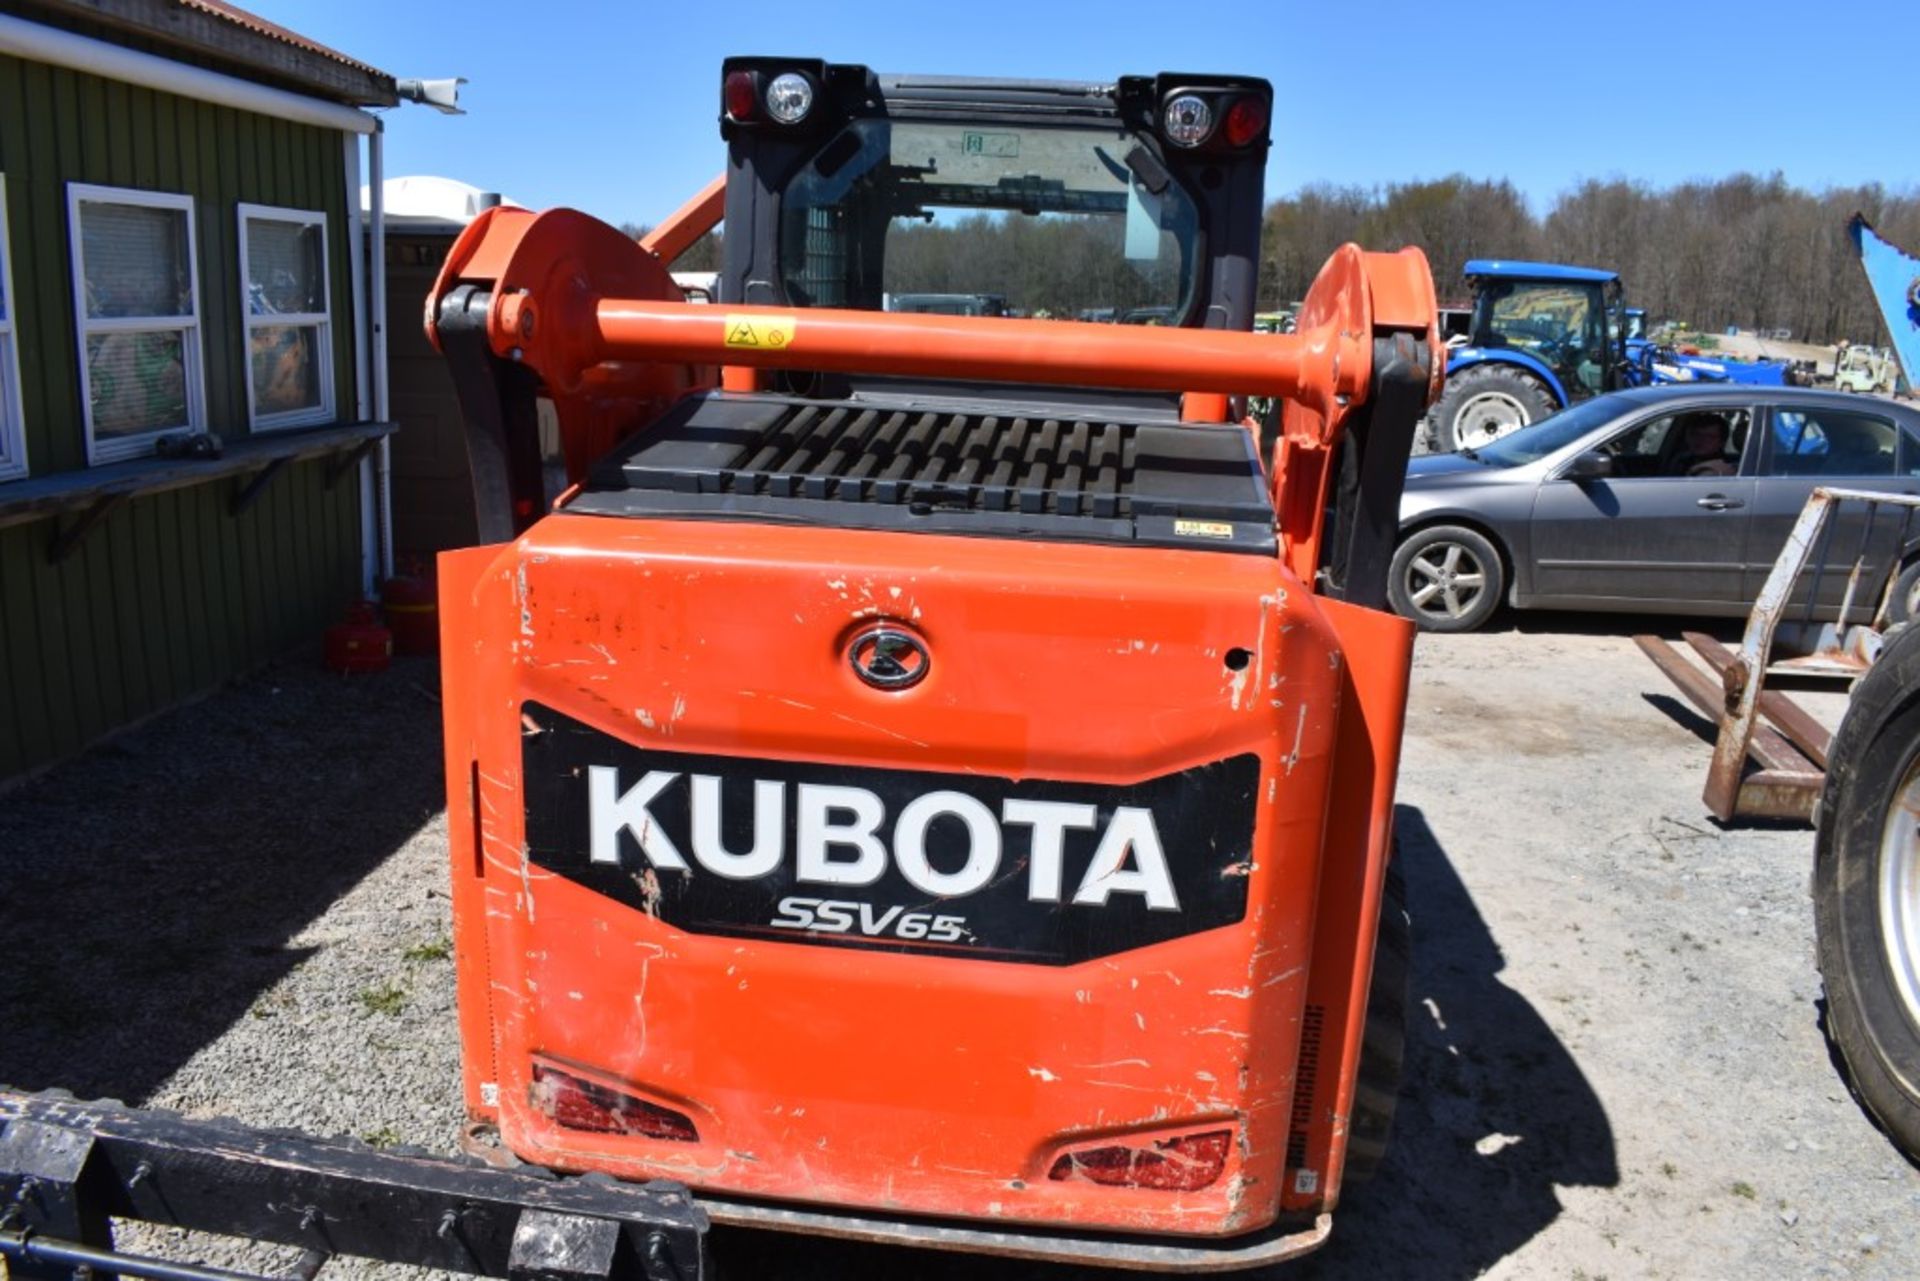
(1617, 1068)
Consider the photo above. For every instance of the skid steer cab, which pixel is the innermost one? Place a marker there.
(927, 777)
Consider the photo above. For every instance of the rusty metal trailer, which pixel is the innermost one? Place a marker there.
(1786, 745)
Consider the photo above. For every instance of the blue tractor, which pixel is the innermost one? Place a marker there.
(1544, 335)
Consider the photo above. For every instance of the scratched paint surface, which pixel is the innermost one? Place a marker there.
(903, 1082)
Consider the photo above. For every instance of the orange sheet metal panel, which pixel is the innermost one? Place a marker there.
(929, 1082)
(685, 225)
(1377, 652)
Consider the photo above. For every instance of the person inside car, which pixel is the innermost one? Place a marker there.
(1703, 447)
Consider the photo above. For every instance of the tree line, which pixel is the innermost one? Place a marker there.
(1060, 265)
(1745, 250)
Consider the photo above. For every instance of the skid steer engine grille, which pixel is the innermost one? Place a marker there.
(1044, 473)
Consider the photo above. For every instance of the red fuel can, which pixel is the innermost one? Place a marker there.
(413, 613)
(359, 643)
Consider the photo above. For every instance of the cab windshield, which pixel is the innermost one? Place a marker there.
(1038, 221)
(1560, 324)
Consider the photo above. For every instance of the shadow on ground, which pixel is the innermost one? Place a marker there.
(1494, 1118)
(152, 884)
(1534, 622)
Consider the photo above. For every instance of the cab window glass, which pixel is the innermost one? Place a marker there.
(1562, 325)
(1825, 442)
(1695, 442)
(948, 218)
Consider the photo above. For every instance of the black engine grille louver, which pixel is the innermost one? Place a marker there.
(1046, 473)
(1312, 1027)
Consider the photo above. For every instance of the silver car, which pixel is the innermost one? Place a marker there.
(1667, 499)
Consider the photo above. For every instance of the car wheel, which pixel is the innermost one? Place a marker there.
(1486, 402)
(1866, 891)
(1447, 579)
(1903, 603)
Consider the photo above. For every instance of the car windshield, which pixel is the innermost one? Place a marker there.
(1531, 444)
(989, 220)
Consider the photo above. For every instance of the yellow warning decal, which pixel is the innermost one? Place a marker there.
(1202, 529)
(774, 332)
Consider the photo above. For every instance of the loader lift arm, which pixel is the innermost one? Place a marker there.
(562, 306)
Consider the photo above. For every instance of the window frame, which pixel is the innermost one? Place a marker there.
(189, 327)
(13, 425)
(1746, 458)
(1902, 440)
(323, 319)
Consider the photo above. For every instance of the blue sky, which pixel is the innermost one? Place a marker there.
(611, 107)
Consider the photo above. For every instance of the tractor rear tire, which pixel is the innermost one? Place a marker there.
(1383, 1044)
(1866, 892)
(1903, 604)
(1486, 402)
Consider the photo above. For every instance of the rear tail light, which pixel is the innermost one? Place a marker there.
(1188, 120)
(582, 1105)
(1245, 119)
(1185, 1164)
(742, 95)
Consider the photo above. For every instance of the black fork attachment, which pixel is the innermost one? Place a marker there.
(67, 1168)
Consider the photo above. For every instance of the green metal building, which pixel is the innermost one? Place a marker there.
(191, 475)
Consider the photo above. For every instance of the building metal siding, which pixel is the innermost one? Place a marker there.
(170, 594)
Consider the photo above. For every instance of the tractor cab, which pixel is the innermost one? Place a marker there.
(1541, 336)
(1562, 317)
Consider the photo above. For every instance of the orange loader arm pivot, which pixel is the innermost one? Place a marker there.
(562, 306)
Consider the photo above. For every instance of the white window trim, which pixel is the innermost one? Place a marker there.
(324, 319)
(13, 426)
(122, 447)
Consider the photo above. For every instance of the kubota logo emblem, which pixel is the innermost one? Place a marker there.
(888, 658)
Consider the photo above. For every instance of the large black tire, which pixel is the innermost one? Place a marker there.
(1903, 606)
(1866, 891)
(1447, 578)
(1383, 1044)
(1486, 402)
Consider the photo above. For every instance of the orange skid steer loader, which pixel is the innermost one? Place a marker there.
(922, 778)
(925, 768)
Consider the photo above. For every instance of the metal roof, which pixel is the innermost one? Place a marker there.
(260, 26)
(225, 38)
(1514, 269)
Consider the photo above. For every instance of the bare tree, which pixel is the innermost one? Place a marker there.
(1748, 249)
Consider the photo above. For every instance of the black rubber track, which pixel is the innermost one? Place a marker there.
(1383, 1047)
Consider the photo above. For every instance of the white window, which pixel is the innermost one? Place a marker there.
(283, 261)
(13, 444)
(136, 294)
